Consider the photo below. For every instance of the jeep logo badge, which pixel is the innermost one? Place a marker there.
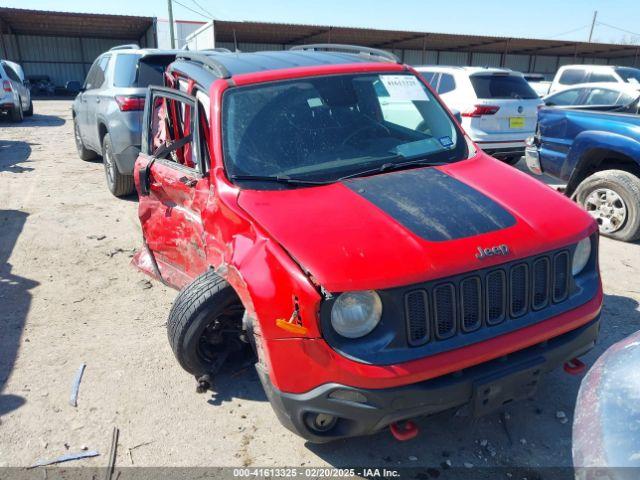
(492, 251)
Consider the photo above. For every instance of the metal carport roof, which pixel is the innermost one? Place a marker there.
(289, 34)
(45, 23)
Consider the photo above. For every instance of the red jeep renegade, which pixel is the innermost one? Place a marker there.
(324, 206)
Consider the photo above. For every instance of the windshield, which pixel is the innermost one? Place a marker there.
(324, 128)
(500, 86)
(629, 75)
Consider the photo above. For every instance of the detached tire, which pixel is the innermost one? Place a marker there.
(119, 185)
(83, 153)
(612, 197)
(205, 324)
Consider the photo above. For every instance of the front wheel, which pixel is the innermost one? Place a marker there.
(612, 198)
(205, 324)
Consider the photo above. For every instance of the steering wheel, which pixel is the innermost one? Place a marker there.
(372, 127)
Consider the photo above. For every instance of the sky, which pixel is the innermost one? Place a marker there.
(618, 20)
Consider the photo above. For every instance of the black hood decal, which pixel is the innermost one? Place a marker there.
(432, 204)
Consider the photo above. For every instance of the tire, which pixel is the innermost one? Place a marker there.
(625, 198)
(207, 301)
(83, 152)
(29, 112)
(119, 185)
(17, 115)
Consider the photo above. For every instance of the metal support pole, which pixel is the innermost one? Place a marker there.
(593, 25)
(171, 32)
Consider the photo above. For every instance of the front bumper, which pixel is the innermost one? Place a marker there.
(486, 386)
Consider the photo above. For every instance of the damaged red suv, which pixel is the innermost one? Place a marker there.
(323, 206)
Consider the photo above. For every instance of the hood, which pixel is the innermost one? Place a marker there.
(416, 225)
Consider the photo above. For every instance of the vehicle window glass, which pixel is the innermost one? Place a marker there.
(446, 84)
(429, 77)
(11, 73)
(324, 128)
(568, 97)
(572, 76)
(629, 75)
(126, 70)
(626, 99)
(597, 77)
(502, 86)
(97, 74)
(601, 96)
(171, 122)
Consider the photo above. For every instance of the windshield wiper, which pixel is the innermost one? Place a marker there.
(277, 179)
(388, 166)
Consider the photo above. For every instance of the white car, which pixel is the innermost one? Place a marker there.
(538, 83)
(595, 95)
(15, 96)
(498, 107)
(570, 75)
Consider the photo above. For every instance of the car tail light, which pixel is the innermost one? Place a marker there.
(6, 86)
(480, 110)
(129, 104)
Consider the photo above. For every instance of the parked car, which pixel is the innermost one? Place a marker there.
(538, 83)
(498, 106)
(382, 267)
(41, 85)
(15, 97)
(604, 96)
(569, 75)
(107, 113)
(605, 436)
(598, 154)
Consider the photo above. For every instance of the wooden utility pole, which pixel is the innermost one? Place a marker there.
(593, 25)
(171, 33)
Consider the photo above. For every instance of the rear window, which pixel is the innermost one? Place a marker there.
(573, 76)
(629, 75)
(502, 86)
(130, 71)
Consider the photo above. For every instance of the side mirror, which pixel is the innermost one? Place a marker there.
(457, 115)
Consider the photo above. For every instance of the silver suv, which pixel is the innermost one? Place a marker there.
(107, 113)
(15, 97)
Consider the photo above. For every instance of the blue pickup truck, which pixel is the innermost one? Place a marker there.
(596, 151)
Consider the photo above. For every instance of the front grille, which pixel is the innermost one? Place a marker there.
(442, 309)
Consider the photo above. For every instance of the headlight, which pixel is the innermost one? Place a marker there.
(355, 314)
(581, 256)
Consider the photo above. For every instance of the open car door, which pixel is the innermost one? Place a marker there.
(173, 186)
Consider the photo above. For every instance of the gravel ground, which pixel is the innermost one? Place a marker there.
(69, 296)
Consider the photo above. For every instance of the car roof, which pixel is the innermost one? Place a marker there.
(588, 67)
(238, 63)
(142, 51)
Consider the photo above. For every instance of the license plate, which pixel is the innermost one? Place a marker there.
(516, 122)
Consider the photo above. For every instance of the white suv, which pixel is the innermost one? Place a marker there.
(15, 96)
(498, 107)
(569, 75)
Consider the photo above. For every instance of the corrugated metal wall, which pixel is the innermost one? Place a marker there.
(61, 58)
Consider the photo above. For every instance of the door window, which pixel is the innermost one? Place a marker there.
(572, 76)
(597, 77)
(568, 97)
(602, 96)
(430, 77)
(98, 73)
(11, 73)
(446, 84)
(173, 130)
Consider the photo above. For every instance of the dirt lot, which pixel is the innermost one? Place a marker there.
(68, 295)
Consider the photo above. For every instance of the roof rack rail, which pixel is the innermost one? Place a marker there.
(207, 60)
(373, 52)
(128, 46)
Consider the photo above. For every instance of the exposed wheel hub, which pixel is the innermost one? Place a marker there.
(608, 209)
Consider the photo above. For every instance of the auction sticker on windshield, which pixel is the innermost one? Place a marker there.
(404, 87)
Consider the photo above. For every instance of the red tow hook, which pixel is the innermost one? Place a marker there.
(574, 367)
(405, 432)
